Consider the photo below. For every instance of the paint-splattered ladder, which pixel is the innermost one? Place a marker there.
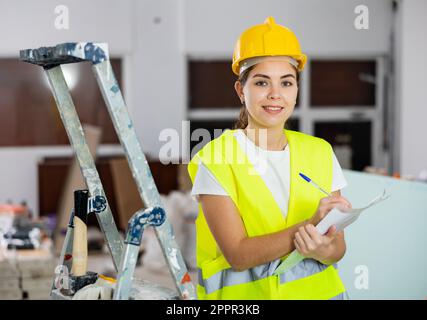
(124, 255)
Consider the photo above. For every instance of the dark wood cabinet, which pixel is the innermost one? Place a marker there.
(28, 112)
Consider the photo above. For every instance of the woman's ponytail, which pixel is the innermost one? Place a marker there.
(242, 122)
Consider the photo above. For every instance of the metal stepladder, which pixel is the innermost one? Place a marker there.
(124, 255)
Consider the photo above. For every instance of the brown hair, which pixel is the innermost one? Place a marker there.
(242, 122)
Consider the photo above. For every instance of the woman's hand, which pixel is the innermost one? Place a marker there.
(326, 205)
(323, 248)
(311, 244)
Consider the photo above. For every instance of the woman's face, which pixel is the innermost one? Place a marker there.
(269, 94)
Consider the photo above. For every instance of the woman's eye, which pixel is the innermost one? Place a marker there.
(287, 83)
(261, 83)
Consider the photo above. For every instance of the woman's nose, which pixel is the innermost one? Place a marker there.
(274, 93)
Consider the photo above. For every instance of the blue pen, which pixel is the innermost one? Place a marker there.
(314, 184)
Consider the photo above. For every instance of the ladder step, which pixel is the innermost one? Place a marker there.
(70, 52)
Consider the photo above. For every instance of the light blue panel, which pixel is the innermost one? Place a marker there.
(390, 239)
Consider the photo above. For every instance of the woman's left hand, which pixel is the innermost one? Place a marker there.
(311, 244)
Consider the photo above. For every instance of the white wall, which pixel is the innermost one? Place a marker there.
(159, 82)
(385, 246)
(411, 83)
(31, 24)
(323, 27)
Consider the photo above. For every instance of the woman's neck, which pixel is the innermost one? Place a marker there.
(272, 139)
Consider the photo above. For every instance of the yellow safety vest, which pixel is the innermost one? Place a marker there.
(261, 215)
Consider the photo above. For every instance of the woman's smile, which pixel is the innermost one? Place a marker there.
(273, 110)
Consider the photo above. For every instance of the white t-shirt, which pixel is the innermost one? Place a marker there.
(273, 167)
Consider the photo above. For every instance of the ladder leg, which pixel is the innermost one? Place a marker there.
(126, 270)
(140, 220)
(142, 174)
(75, 134)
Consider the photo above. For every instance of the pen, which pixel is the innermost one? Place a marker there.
(314, 184)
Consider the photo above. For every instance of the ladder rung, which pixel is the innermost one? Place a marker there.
(69, 52)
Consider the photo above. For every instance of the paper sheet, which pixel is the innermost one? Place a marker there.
(335, 217)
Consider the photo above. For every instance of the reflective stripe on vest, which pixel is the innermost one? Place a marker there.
(229, 277)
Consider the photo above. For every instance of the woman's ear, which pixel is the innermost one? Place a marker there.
(239, 90)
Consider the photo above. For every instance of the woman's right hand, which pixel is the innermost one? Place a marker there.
(326, 205)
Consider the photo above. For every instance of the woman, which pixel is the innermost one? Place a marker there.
(254, 209)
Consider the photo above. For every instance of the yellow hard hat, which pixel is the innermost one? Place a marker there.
(267, 39)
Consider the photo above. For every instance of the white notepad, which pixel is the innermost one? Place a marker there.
(335, 218)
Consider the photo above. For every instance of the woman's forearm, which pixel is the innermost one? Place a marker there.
(240, 251)
(254, 251)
